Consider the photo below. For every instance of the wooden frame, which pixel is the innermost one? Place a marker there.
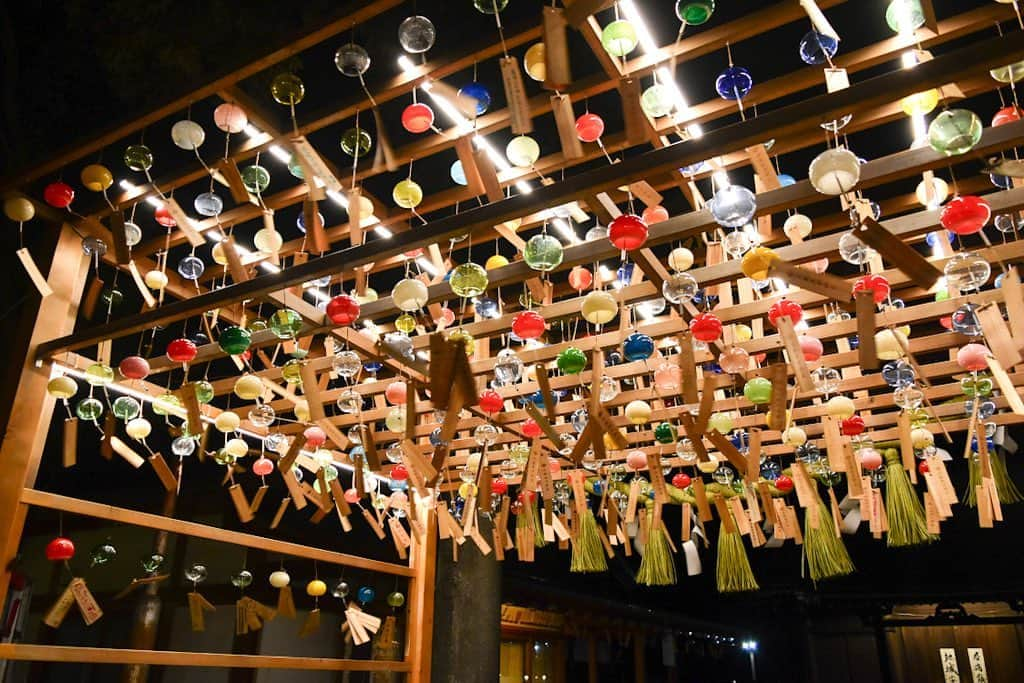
(791, 127)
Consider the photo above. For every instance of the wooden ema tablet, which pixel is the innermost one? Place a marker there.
(657, 478)
(777, 404)
(122, 254)
(767, 503)
(311, 388)
(997, 335)
(126, 452)
(728, 524)
(805, 493)
(795, 355)
(411, 417)
(187, 395)
(819, 283)
(696, 437)
(543, 423)
(235, 267)
(241, 503)
(565, 120)
(707, 401)
(545, 390)
(313, 165)
(415, 460)
(1013, 297)
(483, 483)
(897, 252)
(315, 226)
(632, 113)
(586, 438)
(333, 433)
(907, 445)
(701, 494)
(726, 448)
(464, 150)
(867, 354)
(294, 489)
(488, 175)
(286, 463)
(442, 368)
(163, 472)
(557, 73)
(832, 434)
(607, 426)
(185, 224)
(688, 365)
(229, 171)
(140, 285)
(762, 165)
(1006, 385)
(70, 443)
(643, 191)
(197, 607)
(739, 515)
(752, 472)
(515, 96)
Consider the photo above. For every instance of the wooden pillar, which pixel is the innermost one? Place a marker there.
(467, 606)
(149, 606)
(32, 409)
(419, 626)
(639, 657)
(592, 659)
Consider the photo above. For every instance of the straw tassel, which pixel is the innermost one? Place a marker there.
(657, 568)
(587, 550)
(1005, 488)
(907, 524)
(733, 573)
(826, 554)
(538, 530)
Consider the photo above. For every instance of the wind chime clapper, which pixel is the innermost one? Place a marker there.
(452, 386)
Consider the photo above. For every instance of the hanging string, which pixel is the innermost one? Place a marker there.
(501, 31)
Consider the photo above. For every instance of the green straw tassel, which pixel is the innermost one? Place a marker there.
(733, 572)
(907, 525)
(587, 550)
(826, 554)
(657, 567)
(1005, 488)
(538, 529)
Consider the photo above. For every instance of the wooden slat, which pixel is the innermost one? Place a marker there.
(557, 74)
(105, 655)
(179, 526)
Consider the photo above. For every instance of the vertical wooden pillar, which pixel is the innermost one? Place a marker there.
(32, 409)
(467, 607)
(419, 628)
(639, 657)
(149, 606)
(592, 659)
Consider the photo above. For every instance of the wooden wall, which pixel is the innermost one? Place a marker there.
(914, 651)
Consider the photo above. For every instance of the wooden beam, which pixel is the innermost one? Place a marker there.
(178, 526)
(29, 422)
(110, 655)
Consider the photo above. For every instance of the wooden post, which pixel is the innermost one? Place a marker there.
(32, 410)
(639, 657)
(420, 624)
(149, 606)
